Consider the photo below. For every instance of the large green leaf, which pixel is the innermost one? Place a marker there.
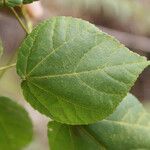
(73, 72)
(127, 128)
(15, 125)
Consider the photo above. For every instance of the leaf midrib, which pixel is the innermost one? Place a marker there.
(82, 72)
(121, 123)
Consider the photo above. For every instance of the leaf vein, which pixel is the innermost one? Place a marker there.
(82, 72)
(63, 99)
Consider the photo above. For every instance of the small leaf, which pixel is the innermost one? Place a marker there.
(13, 3)
(73, 72)
(1, 48)
(15, 126)
(127, 128)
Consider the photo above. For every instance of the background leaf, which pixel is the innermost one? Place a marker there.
(29, 1)
(73, 72)
(15, 125)
(13, 3)
(127, 128)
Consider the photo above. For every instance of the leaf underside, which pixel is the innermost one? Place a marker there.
(127, 128)
(73, 72)
(15, 126)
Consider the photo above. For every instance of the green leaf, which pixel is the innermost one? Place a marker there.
(127, 128)
(1, 48)
(73, 72)
(29, 1)
(13, 3)
(15, 125)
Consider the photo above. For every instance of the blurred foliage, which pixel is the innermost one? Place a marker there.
(124, 8)
(1, 48)
(135, 12)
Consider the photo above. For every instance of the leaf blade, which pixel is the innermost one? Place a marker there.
(16, 127)
(127, 128)
(76, 68)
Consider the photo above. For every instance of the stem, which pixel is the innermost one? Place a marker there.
(19, 20)
(9, 63)
(13, 56)
(7, 67)
(27, 18)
